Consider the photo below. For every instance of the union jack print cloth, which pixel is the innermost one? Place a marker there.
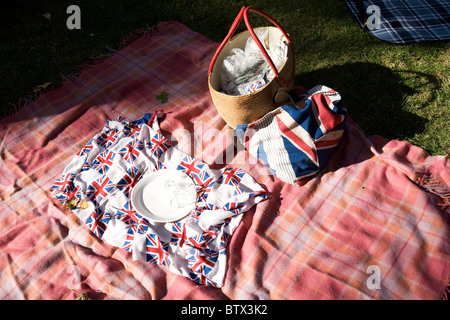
(104, 173)
(403, 21)
(296, 142)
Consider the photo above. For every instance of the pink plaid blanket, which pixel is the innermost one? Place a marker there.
(372, 224)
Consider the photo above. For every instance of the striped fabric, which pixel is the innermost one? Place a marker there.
(296, 142)
(403, 21)
(373, 223)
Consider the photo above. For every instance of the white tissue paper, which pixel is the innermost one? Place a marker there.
(246, 71)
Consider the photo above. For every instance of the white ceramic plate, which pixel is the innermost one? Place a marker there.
(164, 196)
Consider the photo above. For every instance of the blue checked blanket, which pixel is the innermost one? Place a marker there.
(403, 21)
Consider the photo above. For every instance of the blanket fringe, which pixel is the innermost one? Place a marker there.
(127, 40)
(145, 32)
(84, 66)
(435, 186)
(446, 294)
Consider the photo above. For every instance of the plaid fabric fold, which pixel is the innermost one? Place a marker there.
(403, 21)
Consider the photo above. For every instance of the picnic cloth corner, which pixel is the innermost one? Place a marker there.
(373, 224)
(403, 22)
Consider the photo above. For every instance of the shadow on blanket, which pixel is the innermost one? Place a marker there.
(374, 96)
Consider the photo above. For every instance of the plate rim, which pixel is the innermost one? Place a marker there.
(137, 189)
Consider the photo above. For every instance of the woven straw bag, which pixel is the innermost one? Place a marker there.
(247, 108)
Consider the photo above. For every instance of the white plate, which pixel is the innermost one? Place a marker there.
(164, 196)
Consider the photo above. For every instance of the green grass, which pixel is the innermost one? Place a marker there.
(397, 91)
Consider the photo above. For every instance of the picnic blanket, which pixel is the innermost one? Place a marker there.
(372, 224)
(403, 21)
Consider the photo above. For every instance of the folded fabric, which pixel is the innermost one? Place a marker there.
(98, 183)
(296, 141)
(400, 21)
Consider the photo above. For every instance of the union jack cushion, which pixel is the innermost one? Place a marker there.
(98, 182)
(295, 142)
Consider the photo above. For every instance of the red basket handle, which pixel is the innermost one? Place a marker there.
(244, 13)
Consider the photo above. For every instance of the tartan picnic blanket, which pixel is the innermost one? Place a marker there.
(403, 21)
(372, 224)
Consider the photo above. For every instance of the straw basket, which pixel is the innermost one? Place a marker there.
(247, 108)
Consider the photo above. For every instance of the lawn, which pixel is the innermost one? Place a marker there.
(396, 91)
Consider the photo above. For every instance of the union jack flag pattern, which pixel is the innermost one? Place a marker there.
(65, 183)
(255, 86)
(128, 240)
(98, 221)
(107, 139)
(126, 213)
(232, 177)
(103, 161)
(105, 173)
(86, 149)
(155, 251)
(295, 142)
(191, 166)
(128, 153)
(201, 264)
(99, 189)
(158, 145)
(178, 233)
(129, 180)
